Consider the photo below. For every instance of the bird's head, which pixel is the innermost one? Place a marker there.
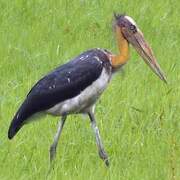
(130, 31)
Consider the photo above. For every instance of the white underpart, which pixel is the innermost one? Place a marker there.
(82, 102)
(131, 20)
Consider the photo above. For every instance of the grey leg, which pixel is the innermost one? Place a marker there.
(102, 153)
(56, 138)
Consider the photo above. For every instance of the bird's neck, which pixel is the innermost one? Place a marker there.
(123, 56)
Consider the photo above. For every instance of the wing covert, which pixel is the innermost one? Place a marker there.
(65, 81)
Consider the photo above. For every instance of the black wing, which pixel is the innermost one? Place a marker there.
(63, 83)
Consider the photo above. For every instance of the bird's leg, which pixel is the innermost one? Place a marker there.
(56, 138)
(103, 155)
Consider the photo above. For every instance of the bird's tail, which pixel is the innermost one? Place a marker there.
(19, 119)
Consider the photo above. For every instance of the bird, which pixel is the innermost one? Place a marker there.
(75, 87)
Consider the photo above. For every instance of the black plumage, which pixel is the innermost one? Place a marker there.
(65, 82)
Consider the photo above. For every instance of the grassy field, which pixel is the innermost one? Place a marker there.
(138, 115)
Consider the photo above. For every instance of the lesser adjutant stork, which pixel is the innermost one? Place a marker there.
(75, 87)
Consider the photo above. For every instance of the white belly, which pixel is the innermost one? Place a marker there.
(85, 99)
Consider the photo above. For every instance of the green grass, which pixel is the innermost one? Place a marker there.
(138, 115)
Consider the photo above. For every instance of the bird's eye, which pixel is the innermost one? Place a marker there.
(133, 28)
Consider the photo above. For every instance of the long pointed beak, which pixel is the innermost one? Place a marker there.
(144, 50)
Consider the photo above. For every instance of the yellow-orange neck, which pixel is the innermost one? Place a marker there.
(122, 58)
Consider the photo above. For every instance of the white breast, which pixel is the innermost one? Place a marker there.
(85, 99)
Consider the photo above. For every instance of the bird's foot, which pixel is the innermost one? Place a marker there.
(106, 162)
(103, 155)
(52, 152)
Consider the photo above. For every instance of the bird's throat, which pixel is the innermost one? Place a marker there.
(122, 58)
